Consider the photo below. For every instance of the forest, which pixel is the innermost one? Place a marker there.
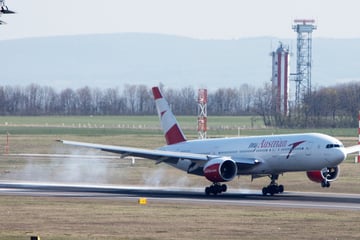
(334, 106)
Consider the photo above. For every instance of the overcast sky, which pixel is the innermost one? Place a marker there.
(204, 19)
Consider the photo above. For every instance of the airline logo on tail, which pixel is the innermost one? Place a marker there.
(169, 124)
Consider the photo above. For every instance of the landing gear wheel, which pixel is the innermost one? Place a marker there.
(264, 191)
(273, 187)
(325, 184)
(223, 188)
(281, 188)
(215, 189)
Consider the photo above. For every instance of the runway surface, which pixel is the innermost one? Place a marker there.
(184, 195)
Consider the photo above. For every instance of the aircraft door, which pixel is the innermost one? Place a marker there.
(309, 149)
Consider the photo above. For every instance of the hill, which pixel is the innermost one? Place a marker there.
(112, 60)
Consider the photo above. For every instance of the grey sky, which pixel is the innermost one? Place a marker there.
(204, 19)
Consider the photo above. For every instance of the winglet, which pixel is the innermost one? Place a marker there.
(352, 149)
(172, 131)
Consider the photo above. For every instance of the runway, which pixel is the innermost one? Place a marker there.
(184, 195)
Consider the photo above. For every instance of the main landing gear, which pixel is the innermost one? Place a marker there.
(215, 189)
(273, 187)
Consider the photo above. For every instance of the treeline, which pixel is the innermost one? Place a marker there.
(131, 100)
(44, 100)
(336, 106)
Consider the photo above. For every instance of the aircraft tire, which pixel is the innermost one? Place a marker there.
(272, 189)
(215, 189)
(325, 184)
(207, 191)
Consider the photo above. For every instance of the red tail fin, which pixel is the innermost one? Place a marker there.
(172, 131)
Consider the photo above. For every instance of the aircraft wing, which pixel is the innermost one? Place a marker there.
(352, 149)
(159, 155)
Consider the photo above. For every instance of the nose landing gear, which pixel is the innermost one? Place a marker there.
(325, 184)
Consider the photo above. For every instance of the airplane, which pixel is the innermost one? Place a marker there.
(4, 10)
(220, 160)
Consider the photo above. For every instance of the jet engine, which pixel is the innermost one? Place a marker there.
(324, 176)
(220, 170)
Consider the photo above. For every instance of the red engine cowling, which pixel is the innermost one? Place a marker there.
(327, 174)
(220, 170)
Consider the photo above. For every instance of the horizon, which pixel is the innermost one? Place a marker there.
(174, 35)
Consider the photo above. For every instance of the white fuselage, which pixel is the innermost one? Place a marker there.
(276, 153)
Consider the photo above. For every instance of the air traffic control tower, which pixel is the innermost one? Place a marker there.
(304, 29)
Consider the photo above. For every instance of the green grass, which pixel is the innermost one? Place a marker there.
(22, 130)
(117, 125)
(121, 121)
(80, 121)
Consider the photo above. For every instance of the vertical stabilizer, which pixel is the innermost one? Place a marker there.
(172, 131)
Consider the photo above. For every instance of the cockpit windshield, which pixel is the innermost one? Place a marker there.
(333, 146)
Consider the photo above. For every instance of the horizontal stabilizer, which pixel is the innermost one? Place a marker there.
(6, 11)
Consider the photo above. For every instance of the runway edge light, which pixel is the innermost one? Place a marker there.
(34, 238)
(142, 201)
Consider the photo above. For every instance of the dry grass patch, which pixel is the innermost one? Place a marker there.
(75, 218)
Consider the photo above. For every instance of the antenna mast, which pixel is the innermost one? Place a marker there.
(304, 29)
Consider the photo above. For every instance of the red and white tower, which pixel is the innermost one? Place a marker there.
(358, 158)
(280, 79)
(202, 113)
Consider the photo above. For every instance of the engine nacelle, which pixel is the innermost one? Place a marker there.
(220, 170)
(326, 174)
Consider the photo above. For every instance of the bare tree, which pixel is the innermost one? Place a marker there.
(263, 104)
(335, 106)
(85, 101)
(68, 102)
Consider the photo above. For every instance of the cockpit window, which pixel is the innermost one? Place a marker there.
(333, 146)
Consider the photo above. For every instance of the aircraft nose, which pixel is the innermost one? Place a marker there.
(338, 156)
